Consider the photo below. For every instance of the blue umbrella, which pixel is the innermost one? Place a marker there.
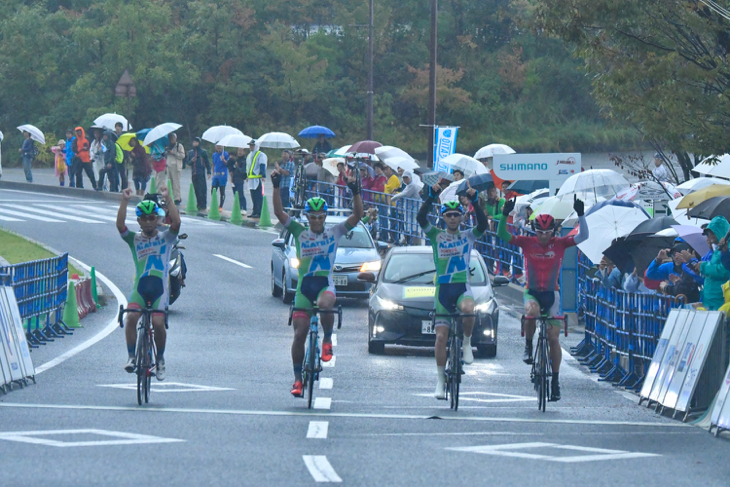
(527, 187)
(480, 182)
(315, 131)
(615, 202)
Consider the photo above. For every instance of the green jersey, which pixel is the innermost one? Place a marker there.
(316, 251)
(151, 258)
(451, 253)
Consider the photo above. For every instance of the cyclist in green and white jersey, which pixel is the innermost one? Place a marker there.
(151, 252)
(316, 251)
(451, 256)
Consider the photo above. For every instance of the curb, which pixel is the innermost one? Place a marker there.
(61, 191)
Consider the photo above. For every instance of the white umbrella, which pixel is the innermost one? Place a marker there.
(396, 162)
(235, 140)
(695, 184)
(449, 193)
(342, 151)
(34, 132)
(715, 166)
(109, 120)
(468, 165)
(554, 206)
(680, 215)
(331, 165)
(606, 225)
(160, 131)
(532, 200)
(216, 133)
(492, 149)
(649, 190)
(595, 182)
(363, 155)
(277, 140)
(388, 151)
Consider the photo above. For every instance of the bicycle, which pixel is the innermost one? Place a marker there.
(300, 187)
(145, 362)
(541, 371)
(454, 360)
(312, 365)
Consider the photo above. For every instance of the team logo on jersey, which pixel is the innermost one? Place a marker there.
(546, 255)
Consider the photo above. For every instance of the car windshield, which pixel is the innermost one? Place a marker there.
(357, 238)
(419, 269)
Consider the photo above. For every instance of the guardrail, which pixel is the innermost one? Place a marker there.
(40, 289)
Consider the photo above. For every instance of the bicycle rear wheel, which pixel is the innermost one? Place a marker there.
(148, 373)
(455, 372)
(311, 355)
(140, 367)
(542, 376)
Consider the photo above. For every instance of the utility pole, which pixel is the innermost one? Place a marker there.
(370, 75)
(432, 81)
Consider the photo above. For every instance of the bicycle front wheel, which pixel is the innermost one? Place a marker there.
(140, 365)
(542, 376)
(148, 373)
(456, 371)
(311, 360)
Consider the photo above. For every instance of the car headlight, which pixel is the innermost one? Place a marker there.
(294, 263)
(371, 266)
(487, 307)
(388, 305)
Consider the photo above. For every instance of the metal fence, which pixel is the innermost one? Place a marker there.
(40, 288)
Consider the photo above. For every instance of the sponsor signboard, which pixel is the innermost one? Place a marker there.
(444, 145)
(556, 167)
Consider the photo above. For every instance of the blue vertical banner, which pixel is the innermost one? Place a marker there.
(444, 145)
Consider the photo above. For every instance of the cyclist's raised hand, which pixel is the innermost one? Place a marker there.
(127, 193)
(471, 192)
(578, 206)
(276, 177)
(509, 205)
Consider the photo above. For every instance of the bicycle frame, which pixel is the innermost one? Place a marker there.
(541, 372)
(454, 361)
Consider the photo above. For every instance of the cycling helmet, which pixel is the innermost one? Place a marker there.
(315, 204)
(148, 207)
(451, 206)
(544, 223)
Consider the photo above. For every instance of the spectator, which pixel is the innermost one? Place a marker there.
(634, 283)
(325, 182)
(220, 174)
(493, 204)
(121, 166)
(59, 164)
(237, 172)
(378, 184)
(28, 153)
(609, 274)
(458, 174)
(256, 162)
(367, 183)
(97, 151)
(391, 186)
(321, 147)
(82, 161)
(69, 153)
(120, 183)
(675, 281)
(141, 168)
(286, 169)
(711, 268)
(199, 166)
(109, 168)
(412, 187)
(159, 163)
(659, 172)
(174, 156)
(507, 193)
(341, 182)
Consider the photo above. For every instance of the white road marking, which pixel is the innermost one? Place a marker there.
(508, 450)
(233, 261)
(10, 219)
(75, 211)
(326, 383)
(58, 213)
(472, 433)
(329, 414)
(334, 339)
(27, 216)
(122, 438)
(322, 403)
(465, 396)
(331, 363)
(35, 194)
(320, 469)
(169, 387)
(113, 324)
(318, 429)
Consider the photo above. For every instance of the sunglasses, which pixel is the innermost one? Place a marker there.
(317, 217)
(452, 214)
(543, 232)
(148, 218)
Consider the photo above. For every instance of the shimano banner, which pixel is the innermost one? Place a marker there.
(444, 145)
(555, 168)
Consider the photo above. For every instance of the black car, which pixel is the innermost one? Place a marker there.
(402, 297)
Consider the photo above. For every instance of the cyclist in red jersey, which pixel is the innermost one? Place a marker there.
(543, 257)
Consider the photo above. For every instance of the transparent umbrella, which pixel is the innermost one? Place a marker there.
(468, 165)
(594, 183)
(235, 140)
(277, 140)
(396, 162)
(715, 166)
(160, 131)
(388, 151)
(217, 132)
(493, 149)
(35, 133)
(606, 225)
(109, 120)
(696, 184)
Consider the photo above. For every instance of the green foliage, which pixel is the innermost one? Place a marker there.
(264, 65)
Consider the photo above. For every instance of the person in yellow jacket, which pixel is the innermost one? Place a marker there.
(392, 184)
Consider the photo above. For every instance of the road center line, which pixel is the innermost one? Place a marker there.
(121, 299)
(322, 402)
(326, 383)
(318, 429)
(320, 468)
(233, 261)
(334, 339)
(329, 414)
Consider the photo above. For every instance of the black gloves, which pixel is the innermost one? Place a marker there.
(275, 179)
(433, 194)
(578, 206)
(354, 187)
(509, 205)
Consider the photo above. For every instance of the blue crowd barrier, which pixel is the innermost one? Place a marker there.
(40, 287)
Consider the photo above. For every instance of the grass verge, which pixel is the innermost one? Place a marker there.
(16, 249)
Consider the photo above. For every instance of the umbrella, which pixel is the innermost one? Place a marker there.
(159, 132)
(535, 198)
(217, 132)
(342, 150)
(709, 209)
(715, 166)
(235, 140)
(109, 120)
(650, 227)
(527, 187)
(615, 202)
(681, 215)
(124, 139)
(619, 253)
(331, 165)
(493, 149)
(693, 236)
(396, 162)
(645, 251)
(694, 199)
(387, 151)
(431, 178)
(277, 140)
(449, 193)
(480, 182)
(366, 146)
(362, 155)
(606, 225)
(467, 165)
(649, 190)
(696, 184)
(34, 132)
(595, 182)
(315, 131)
(559, 209)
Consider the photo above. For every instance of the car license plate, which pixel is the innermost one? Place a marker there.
(340, 280)
(427, 327)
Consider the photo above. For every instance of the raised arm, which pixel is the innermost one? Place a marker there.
(122, 213)
(357, 209)
(502, 232)
(583, 233)
(171, 210)
(281, 215)
(482, 221)
(422, 217)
